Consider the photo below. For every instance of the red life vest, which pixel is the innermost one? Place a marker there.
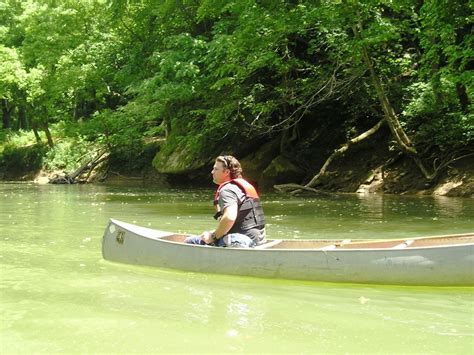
(244, 185)
(250, 214)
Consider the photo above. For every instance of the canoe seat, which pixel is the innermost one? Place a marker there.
(268, 244)
(179, 238)
(335, 245)
(329, 247)
(343, 242)
(403, 245)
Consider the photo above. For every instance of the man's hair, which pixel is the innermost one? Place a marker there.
(231, 164)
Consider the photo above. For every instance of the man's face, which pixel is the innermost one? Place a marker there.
(219, 173)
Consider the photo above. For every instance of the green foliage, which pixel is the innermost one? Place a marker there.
(203, 75)
(12, 73)
(20, 138)
(20, 155)
(68, 155)
(447, 130)
(127, 133)
(17, 160)
(3, 135)
(114, 129)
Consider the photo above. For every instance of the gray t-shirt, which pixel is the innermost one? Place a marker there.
(230, 195)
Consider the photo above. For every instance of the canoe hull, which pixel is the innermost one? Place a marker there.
(435, 266)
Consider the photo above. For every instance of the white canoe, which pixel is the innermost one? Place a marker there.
(440, 261)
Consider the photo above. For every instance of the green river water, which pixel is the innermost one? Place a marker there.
(57, 294)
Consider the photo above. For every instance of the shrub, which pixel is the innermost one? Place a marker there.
(18, 160)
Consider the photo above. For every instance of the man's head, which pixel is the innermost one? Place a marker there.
(225, 168)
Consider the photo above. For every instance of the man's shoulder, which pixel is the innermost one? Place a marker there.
(231, 191)
(231, 187)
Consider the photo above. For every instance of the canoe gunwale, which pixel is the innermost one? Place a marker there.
(339, 244)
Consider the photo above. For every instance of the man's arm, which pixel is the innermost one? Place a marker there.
(227, 220)
(225, 224)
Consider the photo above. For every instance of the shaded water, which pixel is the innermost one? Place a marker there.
(57, 294)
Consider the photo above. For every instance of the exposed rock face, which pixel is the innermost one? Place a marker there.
(254, 164)
(179, 161)
(281, 170)
(373, 184)
(359, 170)
(42, 178)
(445, 188)
(466, 189)
(365, 169)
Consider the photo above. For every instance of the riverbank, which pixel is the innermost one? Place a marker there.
(369, 167)
(401, 178)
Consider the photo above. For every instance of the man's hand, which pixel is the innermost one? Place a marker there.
(207, 237)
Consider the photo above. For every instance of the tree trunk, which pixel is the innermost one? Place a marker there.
(463, 97)
(288, 136)
(34, 127)
(23, 122)
(436, 77)
(75, 114)
(48, 134)
(396, 128)
(7, 114)
(167, 121)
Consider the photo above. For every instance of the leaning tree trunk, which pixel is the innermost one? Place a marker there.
(396, 128)
(342, 150)
(49, 137)
(100, 157)
(34, 127)
(86, 168)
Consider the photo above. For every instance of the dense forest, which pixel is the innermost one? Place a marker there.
(291, 87)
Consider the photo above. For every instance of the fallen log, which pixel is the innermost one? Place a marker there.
(86, 168)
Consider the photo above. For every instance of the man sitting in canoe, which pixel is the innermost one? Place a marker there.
(239, 212)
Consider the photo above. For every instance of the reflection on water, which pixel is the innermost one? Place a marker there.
(449, 207)
(368, 216)
(372, 206)
(58, 295)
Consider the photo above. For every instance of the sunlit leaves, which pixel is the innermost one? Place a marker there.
(12, 73)
(196, 71)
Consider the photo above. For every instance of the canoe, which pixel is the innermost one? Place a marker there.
(446, 260)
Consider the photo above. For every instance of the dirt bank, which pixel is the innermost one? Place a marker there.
(362, 172)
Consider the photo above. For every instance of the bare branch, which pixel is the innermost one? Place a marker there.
(331, 87)
(448, 161)
(296, 188)
(343, 149)
(309, 186)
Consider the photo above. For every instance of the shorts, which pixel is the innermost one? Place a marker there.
(232, 240)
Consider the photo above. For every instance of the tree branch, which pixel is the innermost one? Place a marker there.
(309, 186)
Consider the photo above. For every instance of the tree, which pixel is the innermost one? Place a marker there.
(12, 82)
(380, 42)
